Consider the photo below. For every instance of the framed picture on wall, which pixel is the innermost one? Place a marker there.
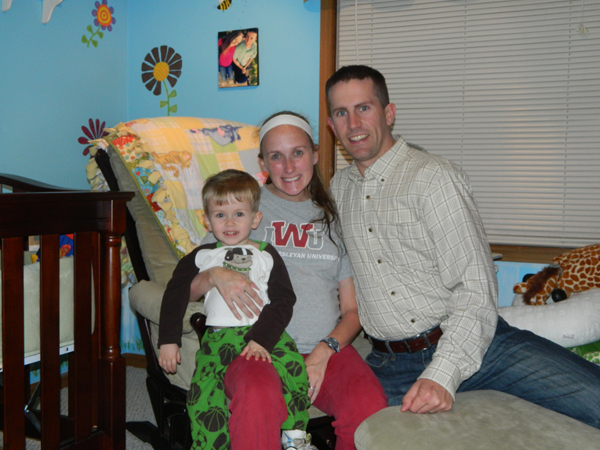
(238, 58)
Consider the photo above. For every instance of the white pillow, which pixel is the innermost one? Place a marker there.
(572, 322)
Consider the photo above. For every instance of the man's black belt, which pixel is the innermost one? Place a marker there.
(416, 344)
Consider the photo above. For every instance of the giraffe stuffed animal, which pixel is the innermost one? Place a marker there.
(574, 271)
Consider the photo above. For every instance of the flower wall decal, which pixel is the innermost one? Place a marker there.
(104, 20)
(159, 66)
(95, 131)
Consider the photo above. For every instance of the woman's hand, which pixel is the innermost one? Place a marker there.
(316, 366)
(344, 332)
(235, 288)
(255, 349)
(168, 357)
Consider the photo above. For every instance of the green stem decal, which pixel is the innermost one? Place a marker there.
(167, 103)
(89, 40)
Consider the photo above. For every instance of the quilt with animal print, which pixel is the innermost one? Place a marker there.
(169, 157)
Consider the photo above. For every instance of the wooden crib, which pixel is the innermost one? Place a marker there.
(96, 369)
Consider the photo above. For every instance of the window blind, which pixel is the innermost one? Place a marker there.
(509, 90)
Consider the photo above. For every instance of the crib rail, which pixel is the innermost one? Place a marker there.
(96, 372)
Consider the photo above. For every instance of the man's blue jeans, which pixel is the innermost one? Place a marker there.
(517, 362)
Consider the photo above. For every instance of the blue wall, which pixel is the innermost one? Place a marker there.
(509, 274)
(52, 83)
(288, 57)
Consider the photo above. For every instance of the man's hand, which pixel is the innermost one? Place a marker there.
(169, 357)
(256, 350)
(427, 396)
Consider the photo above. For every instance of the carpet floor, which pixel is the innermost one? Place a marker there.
(138, 409)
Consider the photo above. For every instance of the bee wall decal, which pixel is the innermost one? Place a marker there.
(224, 4)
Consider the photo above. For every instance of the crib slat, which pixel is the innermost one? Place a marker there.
(83, 336)
(13, 349)
(49, 329)
(97, 324)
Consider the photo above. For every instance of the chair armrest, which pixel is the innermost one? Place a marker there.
(198, 322)
(146, 298)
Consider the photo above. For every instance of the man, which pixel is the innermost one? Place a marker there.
(425, 280)
(244, 54)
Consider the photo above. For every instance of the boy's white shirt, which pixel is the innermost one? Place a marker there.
(218, 313)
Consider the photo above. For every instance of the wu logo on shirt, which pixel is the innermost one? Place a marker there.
(281, 233)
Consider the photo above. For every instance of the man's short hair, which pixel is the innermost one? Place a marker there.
(224, 187)
(360, 72)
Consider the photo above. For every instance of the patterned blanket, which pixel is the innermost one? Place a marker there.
(170, 157)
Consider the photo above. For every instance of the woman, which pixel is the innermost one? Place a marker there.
(226, 50)
(299, 219)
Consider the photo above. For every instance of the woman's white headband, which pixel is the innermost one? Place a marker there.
(284, 119)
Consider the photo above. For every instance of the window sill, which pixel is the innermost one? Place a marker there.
(529, 254)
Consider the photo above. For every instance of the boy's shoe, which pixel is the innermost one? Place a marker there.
(296, 440)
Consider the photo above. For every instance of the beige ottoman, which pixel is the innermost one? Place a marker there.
(478, 420)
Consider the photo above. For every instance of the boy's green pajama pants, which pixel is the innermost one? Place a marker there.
(206, 398)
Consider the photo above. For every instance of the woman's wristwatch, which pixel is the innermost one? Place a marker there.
(332, 343)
